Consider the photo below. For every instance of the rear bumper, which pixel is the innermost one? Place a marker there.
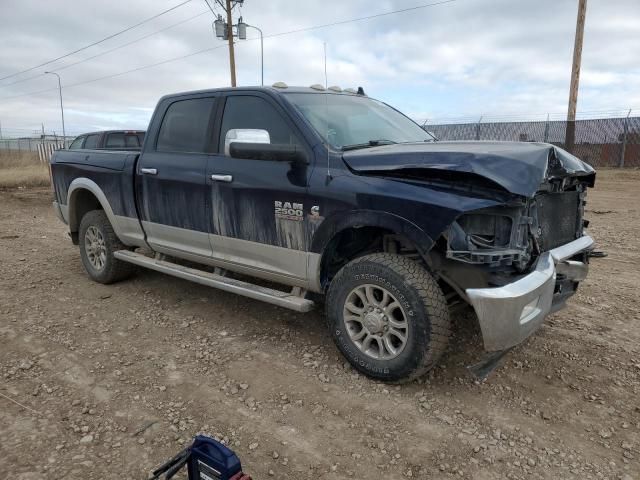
(509, 314)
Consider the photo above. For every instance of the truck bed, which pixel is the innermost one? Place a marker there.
(112, 171)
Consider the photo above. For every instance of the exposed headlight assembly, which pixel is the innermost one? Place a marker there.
(496, 237)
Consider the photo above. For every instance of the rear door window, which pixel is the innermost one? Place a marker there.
(92, 141)
(186, 127)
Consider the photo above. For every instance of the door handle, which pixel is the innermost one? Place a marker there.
(149, 171)
(222, 178)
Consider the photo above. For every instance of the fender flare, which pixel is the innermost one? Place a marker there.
(83, 183)
(335, 224)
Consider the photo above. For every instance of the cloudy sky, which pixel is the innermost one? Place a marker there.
(464, 58)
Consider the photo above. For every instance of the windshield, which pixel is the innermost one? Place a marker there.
(348, 121)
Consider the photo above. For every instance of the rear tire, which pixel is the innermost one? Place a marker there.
(98, 242)
(388, 317)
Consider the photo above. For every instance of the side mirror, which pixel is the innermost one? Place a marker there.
(274, 152)
(245, 135)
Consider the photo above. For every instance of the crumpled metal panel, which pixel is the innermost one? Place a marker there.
(518, 167)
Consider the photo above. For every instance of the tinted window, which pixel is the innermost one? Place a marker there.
(131, 141)
(77, 143)
(186, 126)
(140, 138)
(114, 140)
(92, 141)
(254, 112)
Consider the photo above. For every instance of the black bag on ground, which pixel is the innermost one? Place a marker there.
(205, 459)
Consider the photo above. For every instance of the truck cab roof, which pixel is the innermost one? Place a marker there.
(277, 88)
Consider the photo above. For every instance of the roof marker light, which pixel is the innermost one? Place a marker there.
(350, 90)
(335, 88)
(279, 85)
(317, 86)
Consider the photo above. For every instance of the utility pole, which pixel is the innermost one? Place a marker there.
(575, 75)
(64, 133)
(223, 29)
(232, 56)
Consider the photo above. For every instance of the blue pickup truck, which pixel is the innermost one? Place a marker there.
(329, 195)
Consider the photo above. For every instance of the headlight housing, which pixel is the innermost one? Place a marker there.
(495, 237)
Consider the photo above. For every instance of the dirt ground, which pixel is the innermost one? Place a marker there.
(116, 379)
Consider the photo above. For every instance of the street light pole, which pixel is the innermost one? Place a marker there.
(64, 133)
(261, 53)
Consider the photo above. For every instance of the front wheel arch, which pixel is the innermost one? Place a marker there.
(330, 231)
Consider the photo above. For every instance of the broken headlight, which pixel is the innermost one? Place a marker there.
(495, 237)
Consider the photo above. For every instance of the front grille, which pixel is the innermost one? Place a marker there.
(558, 217)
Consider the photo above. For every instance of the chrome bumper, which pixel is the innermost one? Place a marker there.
(509, 314)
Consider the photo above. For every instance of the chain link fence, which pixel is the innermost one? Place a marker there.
(603, 142)
(32, 144)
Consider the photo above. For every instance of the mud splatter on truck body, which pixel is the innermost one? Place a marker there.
(499, 225)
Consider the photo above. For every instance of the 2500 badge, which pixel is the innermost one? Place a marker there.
(289, 211)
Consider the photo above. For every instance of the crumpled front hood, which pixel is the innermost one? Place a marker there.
(518, 167)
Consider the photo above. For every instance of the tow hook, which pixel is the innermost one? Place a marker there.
(597, 254)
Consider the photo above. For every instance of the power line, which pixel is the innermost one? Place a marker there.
(117, 74)
(99, 41)
(210, 7)
(110, 50)
(359, 19)
(299, 30)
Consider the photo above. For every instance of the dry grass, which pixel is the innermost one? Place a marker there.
(22, 169)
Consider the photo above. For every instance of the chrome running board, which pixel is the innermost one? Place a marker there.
(257, 292)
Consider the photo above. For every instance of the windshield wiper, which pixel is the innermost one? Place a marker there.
(370, 143)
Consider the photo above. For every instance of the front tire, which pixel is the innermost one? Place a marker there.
(388, 317)
(98, 242)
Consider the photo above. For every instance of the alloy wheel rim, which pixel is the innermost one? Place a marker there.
(375, 322)
(95, 248)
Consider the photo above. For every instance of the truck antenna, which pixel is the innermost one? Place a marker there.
(326, 112)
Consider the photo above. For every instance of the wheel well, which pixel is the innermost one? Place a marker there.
(355, 242)
(82, 201)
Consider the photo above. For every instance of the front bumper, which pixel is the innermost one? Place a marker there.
(509, 314)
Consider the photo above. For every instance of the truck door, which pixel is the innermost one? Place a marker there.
(171, 179)
(259, 207)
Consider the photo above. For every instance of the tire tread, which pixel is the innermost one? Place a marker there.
(418, 278)
(115, 270)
